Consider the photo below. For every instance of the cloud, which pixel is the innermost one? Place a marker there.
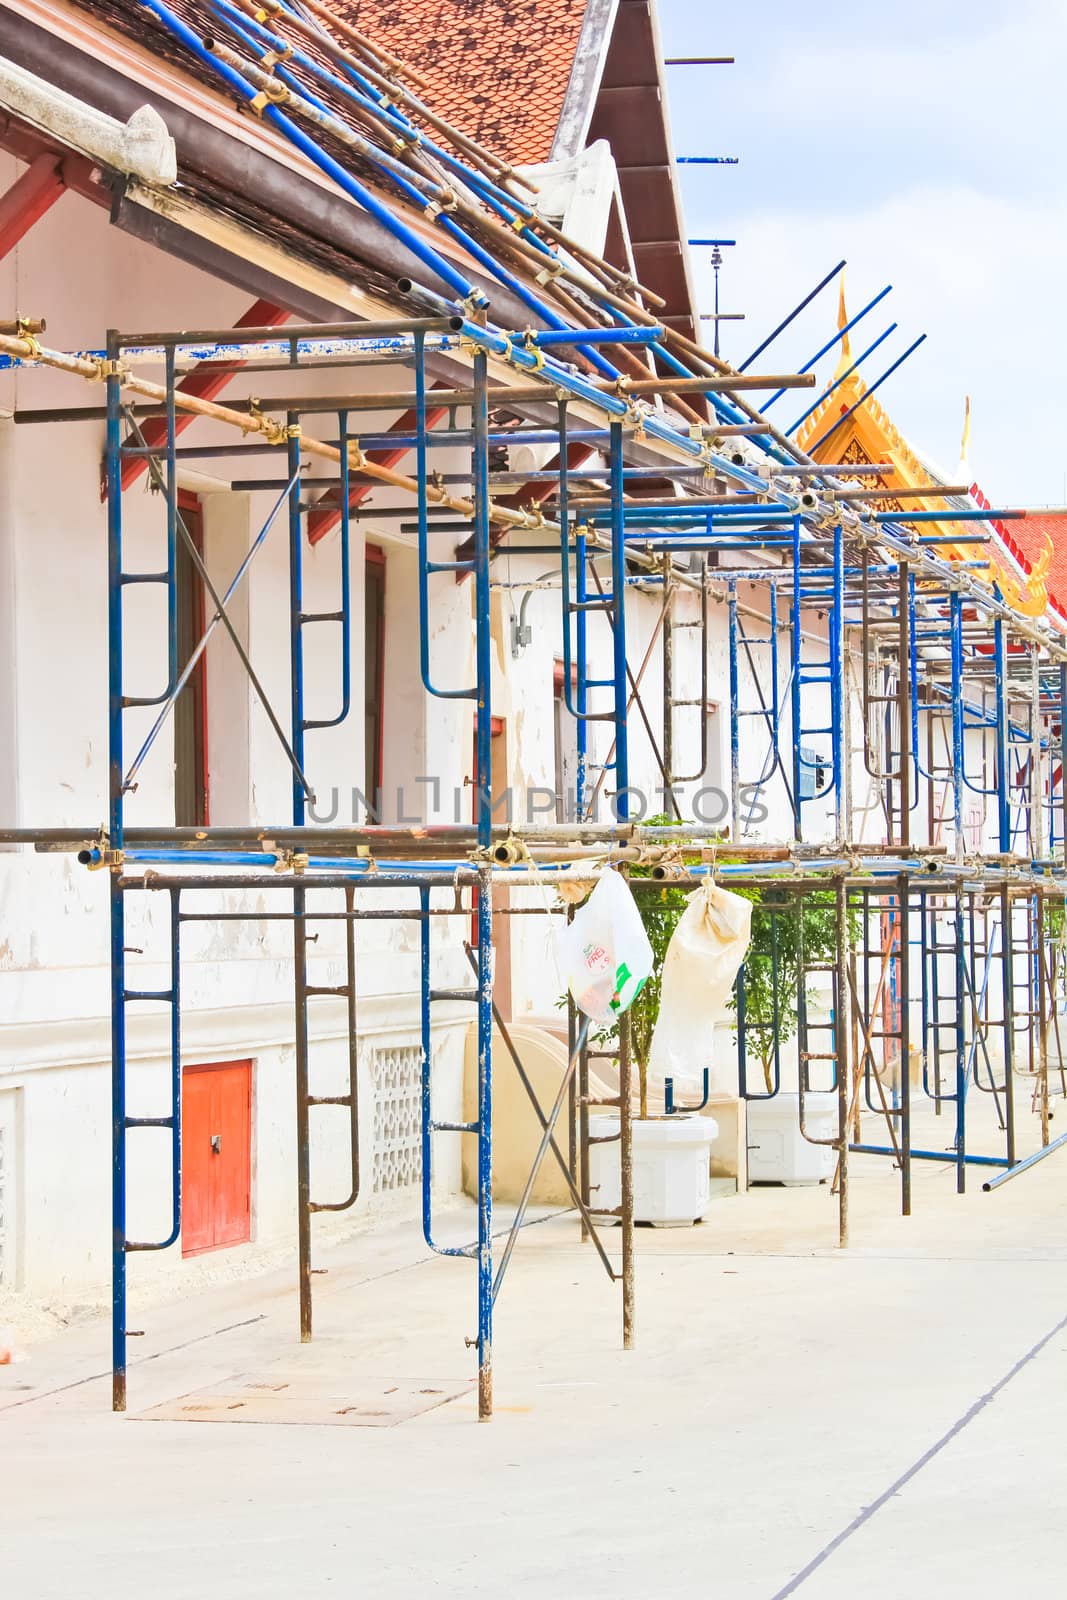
(992, 313)
(925, 146)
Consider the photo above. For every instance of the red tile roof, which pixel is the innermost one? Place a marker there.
(1027, 539)
(496, 69)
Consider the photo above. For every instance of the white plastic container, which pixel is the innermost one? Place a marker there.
(777, 1150)
(672, 1169)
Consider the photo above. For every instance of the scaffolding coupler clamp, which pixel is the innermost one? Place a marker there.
(103, 369)
(103, 859)
(294, 861)
(532, 348)
(509, 852)
(27, 330)
(274, 94)
(273, 431)
(281, 52)
(636, 413)
(473, 347)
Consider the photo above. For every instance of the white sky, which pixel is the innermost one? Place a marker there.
(925, 142)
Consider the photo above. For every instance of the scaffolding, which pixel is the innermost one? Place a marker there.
(860, 658)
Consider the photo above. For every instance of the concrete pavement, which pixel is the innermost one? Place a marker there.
(884, 1421)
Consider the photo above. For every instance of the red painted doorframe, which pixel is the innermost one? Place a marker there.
(216, 1156)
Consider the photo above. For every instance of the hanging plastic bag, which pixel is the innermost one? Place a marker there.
(706, 949)
(604, 954)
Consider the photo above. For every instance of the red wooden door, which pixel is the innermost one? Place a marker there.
(216, 1156)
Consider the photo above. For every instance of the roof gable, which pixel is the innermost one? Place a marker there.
(1020, 549)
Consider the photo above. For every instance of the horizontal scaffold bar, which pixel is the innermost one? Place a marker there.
(1026, 1164)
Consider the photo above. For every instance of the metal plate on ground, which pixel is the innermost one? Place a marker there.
(309, 1400)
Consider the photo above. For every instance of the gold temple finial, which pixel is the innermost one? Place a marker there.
(844, 360)
(965, 442)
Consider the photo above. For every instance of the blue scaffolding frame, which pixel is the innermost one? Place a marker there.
(960, 696)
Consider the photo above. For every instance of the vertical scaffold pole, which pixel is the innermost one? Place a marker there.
(623, 810)
(796, 639)
(618, 593)
(117, 906)
(484, 790)
(581, 677)
(904, 994)
(668, 689)
(961, 1037)
(735, 730)
(841, 1052)
(485, 1145)
(483, 643)
(1042, 1006)
(574, 660)
(905, 620)
(626, 1171)
(1037, 764)
(836, 630)
(300, 1006)
(1063, 755)
(956, 645)
(904, 670)
(1007, 1002)
(1003, 801)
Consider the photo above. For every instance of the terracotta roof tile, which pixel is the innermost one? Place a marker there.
(1028, 539)
(497, 69)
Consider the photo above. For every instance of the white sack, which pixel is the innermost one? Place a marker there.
(604, 953)
(706, 949)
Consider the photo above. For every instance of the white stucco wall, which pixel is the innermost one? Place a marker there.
(236, 977)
